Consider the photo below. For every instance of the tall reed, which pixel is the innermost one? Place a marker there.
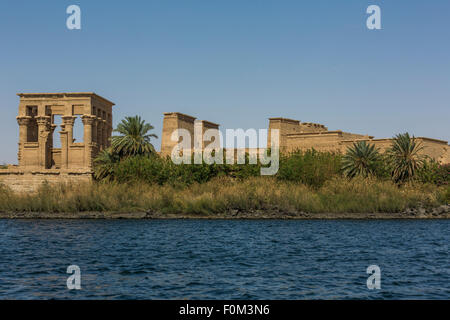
(223, 194)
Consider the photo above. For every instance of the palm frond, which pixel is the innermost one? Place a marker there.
(360, 160)
(134, 138)
(104, 164)
(405, 158)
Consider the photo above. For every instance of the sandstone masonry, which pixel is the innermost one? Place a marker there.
(297, 135)
(39, 160)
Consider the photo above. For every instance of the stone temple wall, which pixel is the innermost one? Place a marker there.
(295, 135)
(176, 120)
(30, 181)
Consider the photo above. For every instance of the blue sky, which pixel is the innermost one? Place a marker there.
(236, 62)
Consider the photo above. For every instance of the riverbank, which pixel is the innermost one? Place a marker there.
(224, 198)
(441, 212)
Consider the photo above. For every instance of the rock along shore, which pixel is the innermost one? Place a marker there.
(441, 212)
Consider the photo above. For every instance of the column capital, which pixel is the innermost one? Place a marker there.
(43, 120)
(68, 120)
(87, 119)
(23, 121)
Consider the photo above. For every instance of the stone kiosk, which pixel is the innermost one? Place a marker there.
(39, 160)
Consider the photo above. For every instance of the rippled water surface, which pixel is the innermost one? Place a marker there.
(217, 259)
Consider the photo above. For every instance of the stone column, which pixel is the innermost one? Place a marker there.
(95, 147)
(94, 130)
(68, 122)
(108, 141)
(87, 122)
(50, 136)
(44, 130)
(63, 134)
(105, 134)
(23, 122)
(50, 146)
(66, 135)
(100, 133)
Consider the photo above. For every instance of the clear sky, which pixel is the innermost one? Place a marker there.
(236, 62)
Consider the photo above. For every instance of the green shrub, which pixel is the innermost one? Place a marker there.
(446, 195)
(311, 167)
(157, 170)
(138, 168)
(433, 172)
(382, 168)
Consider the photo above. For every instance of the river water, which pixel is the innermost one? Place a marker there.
(224, 259)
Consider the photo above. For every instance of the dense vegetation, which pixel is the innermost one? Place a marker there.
(225, 194)
(400, 164)
(363, 179)
(131, 176)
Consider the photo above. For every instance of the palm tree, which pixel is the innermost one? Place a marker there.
(134, 138)
(404, 157)
(360, 160)
(104, 164)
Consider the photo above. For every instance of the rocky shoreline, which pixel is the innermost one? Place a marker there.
(441, 212)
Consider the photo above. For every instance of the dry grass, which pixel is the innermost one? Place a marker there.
(224, 194)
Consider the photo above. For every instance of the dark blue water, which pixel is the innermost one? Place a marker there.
(198, 259)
